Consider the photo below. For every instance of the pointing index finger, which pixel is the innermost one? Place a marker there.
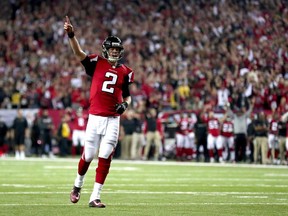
(67, 20)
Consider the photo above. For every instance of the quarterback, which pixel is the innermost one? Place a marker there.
(109, 98)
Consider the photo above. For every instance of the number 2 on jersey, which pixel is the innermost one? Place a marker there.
(106, 87)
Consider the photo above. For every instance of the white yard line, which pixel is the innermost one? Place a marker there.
(157, 204)
(162, 163)
(63, 186)
(152, 192)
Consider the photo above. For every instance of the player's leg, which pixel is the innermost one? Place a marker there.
(158, 145)
(16, 147)
(286, 149)
(106, 150)
(179, 138)
(133, 151)
(149, 140)
(282, 150)
(136, 145)
(276, 151)
(219, 148)
(225, 150)
(256, 149)
(190, 146)
(81, 140)
(231, 147)
(22, 147)
(75, 139)
(210, 147)
(264, 149)
(92, 141)
(270, 153)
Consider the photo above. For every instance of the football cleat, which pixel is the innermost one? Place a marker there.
(97, 204)
(75, 194)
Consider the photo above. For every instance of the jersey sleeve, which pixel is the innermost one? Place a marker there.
(129, 78)
(90, 63)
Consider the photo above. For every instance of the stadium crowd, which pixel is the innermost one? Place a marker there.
(187, 55)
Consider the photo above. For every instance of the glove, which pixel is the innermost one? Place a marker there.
(120, 108)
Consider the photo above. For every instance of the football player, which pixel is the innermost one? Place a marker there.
(213, 138)
(227, 138)
(284, 119)
(185, 136)
(78, 134)
(273, 141)
(109, 98)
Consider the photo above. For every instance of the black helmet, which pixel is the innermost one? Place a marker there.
(109, 42)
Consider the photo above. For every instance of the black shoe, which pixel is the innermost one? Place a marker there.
(75, 194)
(97, 204)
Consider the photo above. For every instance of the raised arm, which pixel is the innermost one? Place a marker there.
(284, 117)
(251, 107)
(81, 55)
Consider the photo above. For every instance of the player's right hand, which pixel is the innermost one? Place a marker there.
(68, 26)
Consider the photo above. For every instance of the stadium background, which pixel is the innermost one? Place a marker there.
(184, 53)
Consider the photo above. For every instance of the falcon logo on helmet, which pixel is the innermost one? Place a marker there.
(112, 42)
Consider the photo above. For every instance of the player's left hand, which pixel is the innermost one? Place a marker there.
(120, 108)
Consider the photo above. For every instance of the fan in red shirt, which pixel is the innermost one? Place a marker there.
(109, 98)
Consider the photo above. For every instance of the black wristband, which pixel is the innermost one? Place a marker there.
(71, 34)
(126, 104)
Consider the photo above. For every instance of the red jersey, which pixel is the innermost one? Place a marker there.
(108, 86)
(79, 123)
(213, 127)
(227, 129)
(183, 126)
(273, 127)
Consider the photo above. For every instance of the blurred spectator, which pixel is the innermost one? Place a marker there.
(282, 131)
(222, 95)
(138, 140)
(46, 130)
(35, 135)
(250, 137)
(240, 117)
(129, 128)
(117, 153)
(64, 133)
(284, 119)
(173, 56)
(261, 138)
(201, 137)
(153, 132)
(20, 127)
(3, 133)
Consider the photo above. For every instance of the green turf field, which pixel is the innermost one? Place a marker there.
(42, 186)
